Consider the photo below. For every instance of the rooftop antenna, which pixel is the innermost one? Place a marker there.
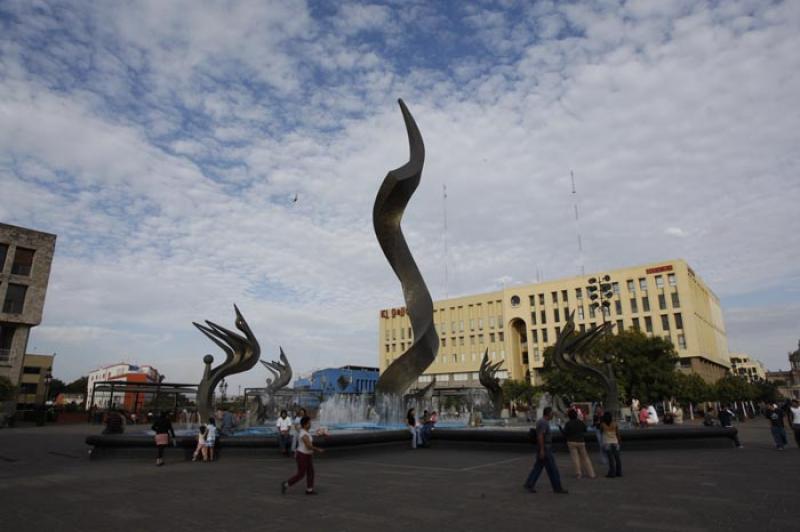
(446, 273)
(577, 222)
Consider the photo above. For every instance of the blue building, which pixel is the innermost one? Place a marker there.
(347, 379)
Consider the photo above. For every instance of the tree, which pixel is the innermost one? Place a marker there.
(766, 391)
(57, 386)
(7, 389)
(691, 388)
(521, 391)
(78, 385)
(732, 388)
(644, 368)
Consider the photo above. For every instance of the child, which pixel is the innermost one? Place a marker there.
(211, 438)
(201, 445)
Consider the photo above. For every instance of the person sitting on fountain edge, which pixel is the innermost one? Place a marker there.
(284, 426)
(426, 432)
(414, 428)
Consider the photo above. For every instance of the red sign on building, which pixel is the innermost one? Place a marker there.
(659, 269)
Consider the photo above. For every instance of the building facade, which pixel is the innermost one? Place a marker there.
(788, 381)
(347, 379)
(34, 380)
(515, 325)
(748, 368)
(25, 259)
(121, 372)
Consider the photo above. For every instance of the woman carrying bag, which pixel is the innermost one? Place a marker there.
(163, 430)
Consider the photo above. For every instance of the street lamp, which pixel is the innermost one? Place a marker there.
(600, 293)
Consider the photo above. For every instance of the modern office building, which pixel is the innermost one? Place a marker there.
(747, 368)
(37, 370)
(25, 259)
(121, 372)
(518, 323)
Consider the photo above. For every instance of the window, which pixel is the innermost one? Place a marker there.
(480, 323)
(461, 325)
(6, 337)
(646, 304)
(643, 284)
(23, 261)
(678, 320)
(3, 253)
(471, 324)
(463, 357)
(500, 336)
(648, 324)
(453, 326)
(556, 317)
(591, 311)
(444, 342)
(580, 313)
(524, 357)
(533, 318)
(471, 339)
(543, 316)
(631, 286)
(682, 341)
(636, 323)
(15, 299)
(671, 279)
(532, 300)
(544, 335)
(554, 296)
(558, 331)
(564, 296)
(659, 281)
(460, 340)
(620, 326)
(535, 335)
(615, 288)
(491, 338)
(402, 333)
(480, 338)
(579, 293)
(665, 322)
(662, 302)
(541, 299)
(634, 305)
(491, 321)
(499, 322)
(514, 301)
(583, 327)
(386, 348)
(460, 376)
(28, 388)
(618, 307)
(676, 302)
(566, 313)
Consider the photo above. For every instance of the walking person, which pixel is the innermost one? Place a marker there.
(544, 456)
(305, 463)
(574, 432)
(775, 416)
(611, 445)
(598, 434)
(200, 451)
(413, 427)
(298, 416)
(726, 416)
(211, 438)
(284, 426)
(794, 410)
(163, 430)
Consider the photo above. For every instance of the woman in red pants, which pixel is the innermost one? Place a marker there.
(304, 454)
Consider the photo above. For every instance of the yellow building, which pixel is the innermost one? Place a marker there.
(33, 380)
(516, 324)
(747, 368)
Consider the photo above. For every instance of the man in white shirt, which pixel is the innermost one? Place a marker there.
(795, 411)
(652, 415)
(284, 426)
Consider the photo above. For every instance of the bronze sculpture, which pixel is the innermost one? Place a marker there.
(241, 354)
(569, 355)
(281, 376)
(486, 376)
(396, 190)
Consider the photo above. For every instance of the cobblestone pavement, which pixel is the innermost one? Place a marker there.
(48, 483)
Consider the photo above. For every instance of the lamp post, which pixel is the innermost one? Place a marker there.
(48, 379)
(601, 293)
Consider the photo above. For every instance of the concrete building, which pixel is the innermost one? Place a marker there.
(25, 259)
(744, 366)
(121, 372)
(37, 370)
(788, 381)
(516, 324)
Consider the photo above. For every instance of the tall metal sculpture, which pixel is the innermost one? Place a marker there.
(487, 377)
(396, 190)
(281, 376)
(241, 354)
(569, 355)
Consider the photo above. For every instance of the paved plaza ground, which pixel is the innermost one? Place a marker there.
(48, 483)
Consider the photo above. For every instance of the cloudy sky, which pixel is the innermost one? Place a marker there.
(164, 141)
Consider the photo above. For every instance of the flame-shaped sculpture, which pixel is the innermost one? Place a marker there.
(395, 192)
(281, 376)
(569, 355)
(486, 376)
(241, 354)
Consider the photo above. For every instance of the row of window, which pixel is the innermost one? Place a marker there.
(458, 377)
(23, 260)
(473, 340)
(455, 326)
(580, 313)
(631, 285)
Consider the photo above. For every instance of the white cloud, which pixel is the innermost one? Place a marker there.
(162, 147)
